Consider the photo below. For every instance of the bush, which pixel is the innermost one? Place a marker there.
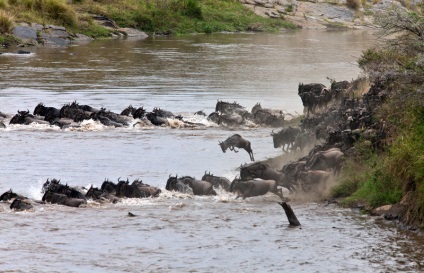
(57, 10)
(3, 4)
(353, 4)
(6, 23)
(191, 8)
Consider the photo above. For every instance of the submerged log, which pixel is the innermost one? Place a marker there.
(290, 214)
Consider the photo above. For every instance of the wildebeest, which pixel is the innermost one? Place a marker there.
(199, 187)
(100, 195)
(156, 120)
(252, 188)
(25, 118)
(325, 160)
(263, 171)
(309, 94)
(163, 113)
(174, 184)
(62, 199)
(237, 141)
(74, 109)
(109, 187)
(313, 179)
(146, 189)
(217, 181)
(137, 189)
(55, 186)
(129, 111)
(304, 139)
(286, 136)
(8, 195)
(270, 117)
(291, 169)
(41, 110)
(230, 120)
(228, 108)
(20, 205)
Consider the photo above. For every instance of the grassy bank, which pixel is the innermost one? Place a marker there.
(393, 172)
(154, 17)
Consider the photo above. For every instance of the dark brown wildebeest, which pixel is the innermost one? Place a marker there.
(62, 199)
(237, 141)
(20, 205)
(198, 187)
(263, 171)
(286, 136)
(313, 179)
(325, 160)
(217, 181)
(252, 188)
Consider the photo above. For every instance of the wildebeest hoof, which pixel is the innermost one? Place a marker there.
(130, 214)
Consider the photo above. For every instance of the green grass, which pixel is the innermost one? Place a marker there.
(154, 17)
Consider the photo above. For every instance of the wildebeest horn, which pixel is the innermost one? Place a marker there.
(272, 133)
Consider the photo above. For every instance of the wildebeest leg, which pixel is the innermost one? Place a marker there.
(232, 148)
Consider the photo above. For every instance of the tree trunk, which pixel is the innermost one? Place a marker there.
(290, 214)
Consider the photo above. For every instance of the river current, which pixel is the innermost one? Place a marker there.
(177, 232)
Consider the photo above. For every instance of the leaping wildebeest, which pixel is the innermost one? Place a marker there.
(237, 141)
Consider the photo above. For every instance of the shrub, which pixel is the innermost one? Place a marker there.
(353, 4)
(191, 8)
(57, 10)
(3, 4)
(6, 23)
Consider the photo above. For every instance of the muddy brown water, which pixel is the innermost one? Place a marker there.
(176, 232)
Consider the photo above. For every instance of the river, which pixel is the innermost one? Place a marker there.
(176, 232)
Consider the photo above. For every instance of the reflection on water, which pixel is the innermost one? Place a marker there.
(177, 233)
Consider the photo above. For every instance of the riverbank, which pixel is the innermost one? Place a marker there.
(59, 22)
(56, 22)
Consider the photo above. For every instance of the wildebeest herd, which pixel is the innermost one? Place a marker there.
(71, 115)
(342, 120)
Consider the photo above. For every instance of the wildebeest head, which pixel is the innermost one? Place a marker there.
(223, 146)
(8, 195)
(139, 113)
(108, 186)
(128, 111)
(39, 109)
(94, 193)
(20, 117)
(171, 183)
(175, 184)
